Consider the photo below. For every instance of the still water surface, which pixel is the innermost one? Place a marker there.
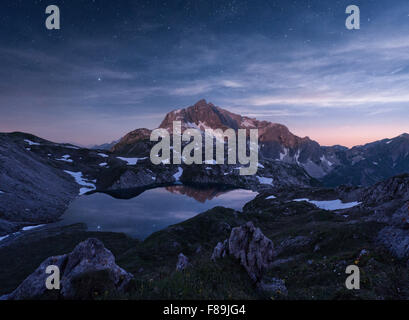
(152, 210)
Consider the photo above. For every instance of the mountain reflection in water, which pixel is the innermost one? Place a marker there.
(152, 210)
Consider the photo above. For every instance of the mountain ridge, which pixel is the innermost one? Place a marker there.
(333, 165)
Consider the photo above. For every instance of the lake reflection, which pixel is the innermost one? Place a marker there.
(152, 210)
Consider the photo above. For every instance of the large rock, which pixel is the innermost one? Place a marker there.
(396, 188)
(133, 178)
(183, 262)
(88, 271)
(396, 240)
(251, 247)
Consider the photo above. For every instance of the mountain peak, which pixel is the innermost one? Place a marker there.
(203, 104)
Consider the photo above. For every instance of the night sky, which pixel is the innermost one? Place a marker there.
(119, 65)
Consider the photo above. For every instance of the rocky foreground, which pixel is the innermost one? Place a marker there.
(275, 248)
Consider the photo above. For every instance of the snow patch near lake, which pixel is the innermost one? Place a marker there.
(79, 179)
(178, 174)
(1, 192)
(28, 228)
(264, 180)
(104, 164)
(271, 197)
(131, 161)
(103, 155)
(32, 227)
(331, 204)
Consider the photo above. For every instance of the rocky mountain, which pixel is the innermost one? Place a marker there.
(134, 143)
(370, 163)
(276, 141)
(334, 165)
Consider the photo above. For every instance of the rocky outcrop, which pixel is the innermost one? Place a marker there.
(248, 245)
(292, 245)
(220, 250)
(32, 190)
(395, 237)
(183, 262)
(401, 217)
(134, 178)
(396, 240)
(87, 271)
(392, 189)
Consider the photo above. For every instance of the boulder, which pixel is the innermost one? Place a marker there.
(88, 271)
(183, 262)
(401, 217)
(396, 240)
(249, 245)
(220, 250)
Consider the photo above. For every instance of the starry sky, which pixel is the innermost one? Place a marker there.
(115, 66)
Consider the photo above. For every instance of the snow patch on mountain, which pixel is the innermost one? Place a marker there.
(31, 143)
(284, 155)
(103, 155)
(265, 180)
(325, 160)
(131, 161)
(32, 227)
(79, 179)
(330, 204)
(65, 158)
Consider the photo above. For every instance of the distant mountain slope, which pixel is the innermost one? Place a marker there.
(135, 142)
(371, 163)
(105, 146)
